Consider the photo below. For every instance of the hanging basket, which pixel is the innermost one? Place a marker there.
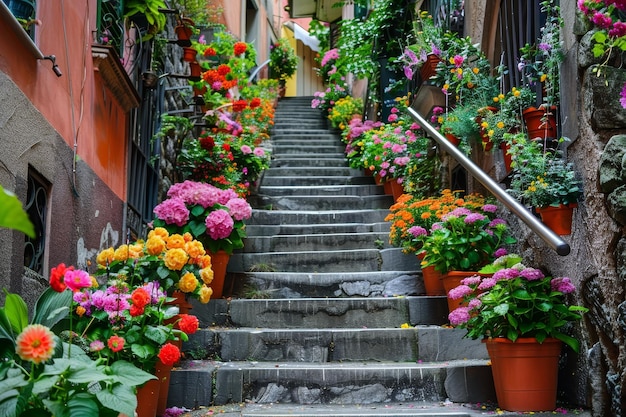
(525, 372)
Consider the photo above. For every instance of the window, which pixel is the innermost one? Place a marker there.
(25, 12)
(110, 30)
(37, 209)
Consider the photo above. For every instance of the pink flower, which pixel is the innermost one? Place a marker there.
(459, 316)
(458, 60)
(173, 211)
(239, 208)
(77, 279)
(259, 152)
(219, 224)
(563, 285)
(246, 150)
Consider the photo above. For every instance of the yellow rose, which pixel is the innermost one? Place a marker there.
(175, 259)
(159, 231)
(155, 245)
(194, 249)
(121, 253)
(207, 275)
(135, 251)
(188, 283)
(105, 257)
(175, 241)
(205, 294)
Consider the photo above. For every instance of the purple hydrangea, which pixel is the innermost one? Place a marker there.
(562, 284)
(417, 231)
(459, 292)
(531, 274)
(473, 218)
(459, 316)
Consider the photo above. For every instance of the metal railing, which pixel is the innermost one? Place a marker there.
(552, 239)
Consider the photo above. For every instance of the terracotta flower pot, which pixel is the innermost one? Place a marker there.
(163, 372)
(540, 123)
(559, 219)
(453, 139)
(183, 35)
(429, 67)
(433, 284)
(148, 398)
(189, 54)
(525, 373)
(219, 263)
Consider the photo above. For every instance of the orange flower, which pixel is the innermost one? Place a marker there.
(35, 343)
(175, 259)
(205, 294)
(188, 323)
(115, 343)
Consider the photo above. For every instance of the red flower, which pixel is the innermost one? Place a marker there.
(226, 146)
(169, 354)
(57, 275)
(207, 143)
(188, 323)
(239, 105)
(256, 102)
(140, 298)
(223, 69)
(210, 52)
(136, 311)
(115, 343)
(240, 48)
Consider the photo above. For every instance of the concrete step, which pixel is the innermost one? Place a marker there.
(280, 230)
(413, 344)
(201, 383)
(279, 155)
(314, 217)
(399, 409)
(353, 260)
(301, 181)
(290, 140)
(289, 161)
(308, 149)
(308, 171)
(323, 190)
(306, 137)
(322, 203)
(315, 242)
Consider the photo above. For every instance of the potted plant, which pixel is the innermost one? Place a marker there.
(213, 216)
(520, 314)
(42, 373)
(542, 179)
(413, 217)
(283, 60)
(146, 15)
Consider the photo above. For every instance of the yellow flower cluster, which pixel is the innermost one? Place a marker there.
(181, 255)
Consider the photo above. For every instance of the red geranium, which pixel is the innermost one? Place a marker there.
(223, 69)
(240, 48)
(188, 323)
(169, 354)
(57, 275)
(256, 102)
(210, 52)
(239, 105)
(115, 343)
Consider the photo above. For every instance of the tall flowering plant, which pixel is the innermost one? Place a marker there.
(213, 216)
(517, 301)
(464, 240)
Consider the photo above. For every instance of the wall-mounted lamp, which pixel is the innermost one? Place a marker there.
(55, 67)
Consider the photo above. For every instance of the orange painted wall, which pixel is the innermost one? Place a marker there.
(76, 105)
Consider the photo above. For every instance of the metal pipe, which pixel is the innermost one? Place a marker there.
(552, 239)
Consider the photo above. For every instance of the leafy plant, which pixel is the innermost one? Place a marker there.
(517, 301)
(151, 9)
(283, 60)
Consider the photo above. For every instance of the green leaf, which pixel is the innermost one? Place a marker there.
(6, 330)
(12, 214)
(129, 374)
(121, 399)
(156, 334)
(501, 309)
(142, 351)
(16, 312)
(52, 307)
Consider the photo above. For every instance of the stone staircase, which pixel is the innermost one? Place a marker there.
(326, 298)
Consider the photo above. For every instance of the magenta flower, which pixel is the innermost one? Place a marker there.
(417, 231)
(473, 218)
(486, 284)
(562, 284)
(500, 252)
(173, 211)
(531, 274)
(459, 292)
(459, 316)
(219, 224)
(77, 279)
(246, 150)
(239, 209)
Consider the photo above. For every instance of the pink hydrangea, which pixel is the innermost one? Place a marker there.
(173, 211)
(562, 284)
(459, 292)
(459, 316)
(219, 224)
(239, 208)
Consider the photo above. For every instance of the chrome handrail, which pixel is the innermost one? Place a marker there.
(552, 239)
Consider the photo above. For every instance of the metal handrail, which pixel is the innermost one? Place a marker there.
(552, 239)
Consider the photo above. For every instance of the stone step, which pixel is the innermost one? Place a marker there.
(293, 139)
(306, 137)
(308, 171)
(353, 260)
(398, 409)
(308, 149)
(273, 230)
(201, 383)
(288, 161)
(319, 202)
(412, 344)
(297, 181)
(313, 242)
(286, 217)
(279, 155)
(323, 190)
